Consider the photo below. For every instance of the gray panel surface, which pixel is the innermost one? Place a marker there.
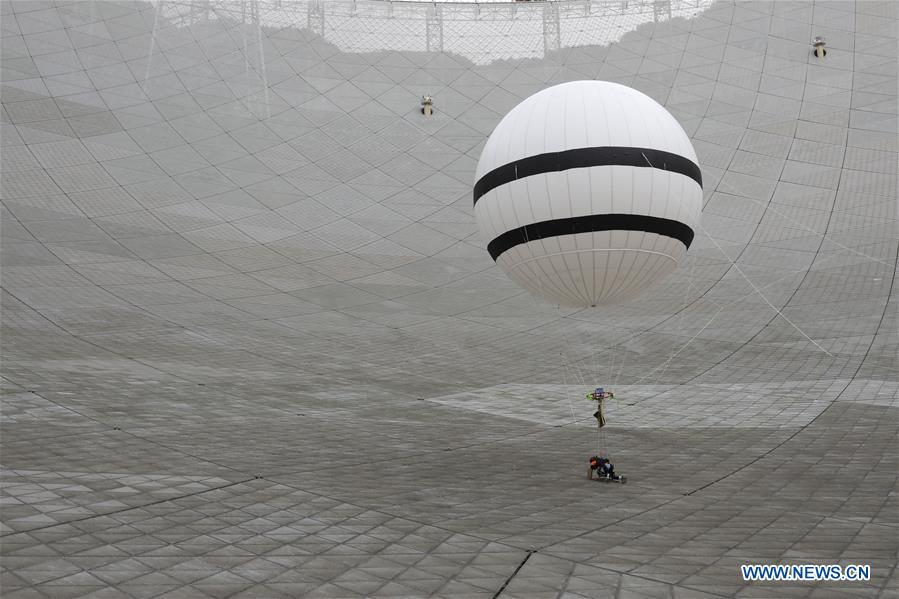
(252, 345)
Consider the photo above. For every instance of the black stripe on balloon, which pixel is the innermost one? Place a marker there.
(554, 162)
(587, 224)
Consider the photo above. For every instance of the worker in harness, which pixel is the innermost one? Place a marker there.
(603, 468)
(599, 395)
(601, 463)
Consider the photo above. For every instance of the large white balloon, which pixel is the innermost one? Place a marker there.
(587, 192)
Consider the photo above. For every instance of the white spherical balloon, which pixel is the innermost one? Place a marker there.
(587, 192)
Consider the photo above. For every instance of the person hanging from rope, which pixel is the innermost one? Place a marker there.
(599, 395)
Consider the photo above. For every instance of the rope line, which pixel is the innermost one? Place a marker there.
(762, 295)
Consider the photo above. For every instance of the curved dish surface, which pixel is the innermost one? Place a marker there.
(253, 344)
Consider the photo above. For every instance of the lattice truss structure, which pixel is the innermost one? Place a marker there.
(480, 32)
